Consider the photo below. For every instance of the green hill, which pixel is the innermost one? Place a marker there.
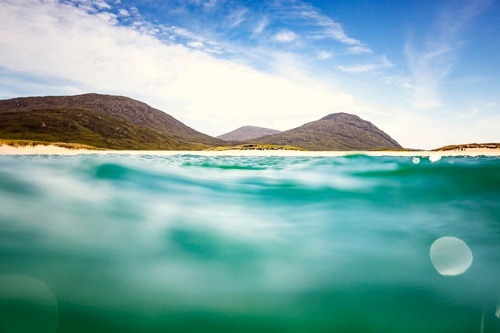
(103, 121)
(337, 131)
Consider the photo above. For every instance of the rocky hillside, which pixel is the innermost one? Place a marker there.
(337, 131)
(104, 121)
(247, 133)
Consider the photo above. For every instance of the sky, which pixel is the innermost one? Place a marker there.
(427, 72)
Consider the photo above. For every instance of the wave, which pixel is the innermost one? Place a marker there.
(183, 243)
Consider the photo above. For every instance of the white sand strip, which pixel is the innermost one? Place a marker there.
(54, 150)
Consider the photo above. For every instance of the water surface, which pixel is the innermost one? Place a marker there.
(190, 243)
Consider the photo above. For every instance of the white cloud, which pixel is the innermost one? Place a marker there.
(210, 4)
(358, 68)
(324, 55)
(435, 60)
(329, 28)
(259, 28)
(285, 36)
(94, 54)
(358, 50)
(123, 12)
(242, 95)
(188, 38)
(399, 81)
(196, 45)
(237, 17)
(382, 63)
(89, 5)
(102, 5)
(477, 108)
(428, 69)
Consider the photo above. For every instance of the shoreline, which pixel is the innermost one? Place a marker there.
(55, 150)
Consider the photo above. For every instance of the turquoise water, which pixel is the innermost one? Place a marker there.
(246, 244)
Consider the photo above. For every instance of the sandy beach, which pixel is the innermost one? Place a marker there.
(55, 150)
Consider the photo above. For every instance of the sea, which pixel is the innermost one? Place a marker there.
(190, 243)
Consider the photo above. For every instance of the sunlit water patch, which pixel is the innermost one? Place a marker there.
(249, 244)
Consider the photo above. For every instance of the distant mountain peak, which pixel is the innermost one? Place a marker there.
(248, 132)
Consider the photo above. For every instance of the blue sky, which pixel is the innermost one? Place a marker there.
(426, 72)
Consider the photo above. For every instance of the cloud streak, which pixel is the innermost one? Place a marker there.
(382, 63)
(297, 14)
(328, 28)
(358, 49)
(435, 58)
(261, 25)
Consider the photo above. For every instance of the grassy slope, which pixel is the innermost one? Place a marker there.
(469, 146)
(31, 143)
(87, 127)
(251, 146)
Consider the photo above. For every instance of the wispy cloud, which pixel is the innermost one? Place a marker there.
(261, 25)
(324, 55)
(325, 27)
(398, 80)
(473, 109)
(434, 58)
(210, 4)
(231, 22)
(358, 50)
(89, 5)
(358, 68)
(196, 45)
(123, 12)
(237, 17)
(285, 36)
(382, 63)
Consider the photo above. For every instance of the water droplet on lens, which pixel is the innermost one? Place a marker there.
(450, 256)
(434, 158)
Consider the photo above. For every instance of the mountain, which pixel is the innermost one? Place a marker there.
(337, 131)
(104, 121)
(247, 133)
